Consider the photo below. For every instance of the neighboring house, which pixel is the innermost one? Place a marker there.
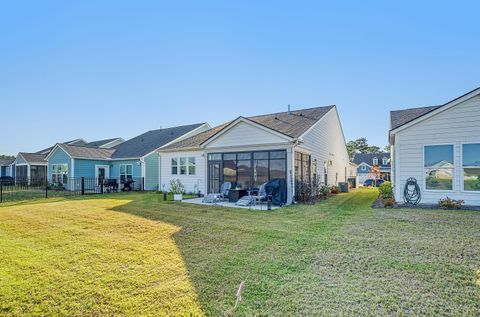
(136, 158)
(5, 167)
(104, 144)
(372, 165)
(439, 146)
(72, 142)
(295, 146)
(30, 167)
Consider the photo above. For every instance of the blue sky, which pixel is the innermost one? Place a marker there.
(100, 69)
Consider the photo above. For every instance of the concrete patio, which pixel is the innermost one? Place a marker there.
(198, 201)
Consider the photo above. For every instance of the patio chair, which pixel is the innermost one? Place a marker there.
(261, 196)
(225, 190)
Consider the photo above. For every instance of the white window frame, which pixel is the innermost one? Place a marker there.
(462, 171)
(364, 167)
(384, 161)
(424, 169)
(375, 161)
(174, 165)
(126, 174)
(190, 164)
(59, 174)
(184, 165)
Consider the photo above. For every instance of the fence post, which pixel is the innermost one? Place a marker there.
(82, 184)
(46, 187)
(1, 191)
(101, 185)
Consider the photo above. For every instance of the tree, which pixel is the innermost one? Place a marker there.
(7, 157)
(360, 145)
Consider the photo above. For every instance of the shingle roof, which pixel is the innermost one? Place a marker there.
(80, 142)
(292, 124)
(33, 158)
(101, 142)
(401, 117)
(196, 140)
(6, 162)
(86, 151)
(150, 141)
(360, 158)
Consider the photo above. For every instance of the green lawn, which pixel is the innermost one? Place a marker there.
(133, 254)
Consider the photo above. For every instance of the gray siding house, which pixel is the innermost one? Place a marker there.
(439, 146)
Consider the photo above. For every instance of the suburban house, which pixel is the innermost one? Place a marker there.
(29, 167)
(136, 159)
(372, 165)
(294, 146)
(6, 167)
(33, 166)
(439, 146)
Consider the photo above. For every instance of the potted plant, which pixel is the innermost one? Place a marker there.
(177, 189)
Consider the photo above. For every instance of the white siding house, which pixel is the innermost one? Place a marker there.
(268, 146)
(439, 147)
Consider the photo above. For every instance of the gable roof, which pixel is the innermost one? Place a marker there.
(33, 158)
(360, 158)
(150, 141)
(86, 151)
(400, 118)
(292, 124)
(99, 143)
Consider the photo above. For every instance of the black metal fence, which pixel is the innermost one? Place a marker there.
(34, 188)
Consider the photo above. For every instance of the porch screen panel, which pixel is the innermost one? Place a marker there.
(244, 172)
(260, 169)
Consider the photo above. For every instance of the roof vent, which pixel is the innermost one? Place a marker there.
(288, 109)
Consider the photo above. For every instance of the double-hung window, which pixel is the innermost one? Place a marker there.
(375, 161)
(126, 171)
(191, 166)
(471, 167)
(438, 167)
(183, 166)
(174, 166)
(59, 173)
(384, 161)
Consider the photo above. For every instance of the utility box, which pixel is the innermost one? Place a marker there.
(343, 187)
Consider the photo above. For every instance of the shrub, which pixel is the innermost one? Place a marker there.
(176, 186)
(334, 190)
(388, 202)
(448, 203)
(385, 190)
(324, 190)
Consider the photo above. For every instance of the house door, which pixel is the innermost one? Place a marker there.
(101, 173)
(214, 169)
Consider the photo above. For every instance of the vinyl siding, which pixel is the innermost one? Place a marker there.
(59, 157)
(86, 168)
(152, 164)
(244, 134)
(115, 168)
(191, 182)
(457, 125)
(326, 142)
